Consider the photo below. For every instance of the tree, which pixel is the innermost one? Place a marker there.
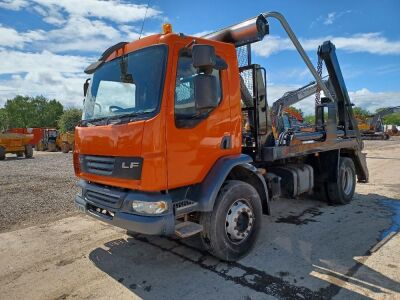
(360, 112)
(69, 119)
(36, 111)
(19, 111)
(309, 119)
(4, 120)
(392, 119)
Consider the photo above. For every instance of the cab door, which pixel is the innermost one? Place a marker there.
(195, 141)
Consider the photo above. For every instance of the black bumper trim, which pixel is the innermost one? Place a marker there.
(152, 224)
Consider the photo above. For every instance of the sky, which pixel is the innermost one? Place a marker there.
(46, 44)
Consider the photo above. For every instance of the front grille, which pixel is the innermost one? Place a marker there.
(104, 199)
(99, 165)
(114, 166)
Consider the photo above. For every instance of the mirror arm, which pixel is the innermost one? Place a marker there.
(85, 87)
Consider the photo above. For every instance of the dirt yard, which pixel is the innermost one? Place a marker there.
(306, 250)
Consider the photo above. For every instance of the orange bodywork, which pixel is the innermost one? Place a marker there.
(172, 157)
(294, 113)
(37, 133)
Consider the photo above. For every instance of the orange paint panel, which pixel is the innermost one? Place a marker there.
(193, 151)
(173, 157)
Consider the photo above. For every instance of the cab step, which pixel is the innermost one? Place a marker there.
(186, 229)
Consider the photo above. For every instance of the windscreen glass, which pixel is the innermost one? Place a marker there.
(129, 85)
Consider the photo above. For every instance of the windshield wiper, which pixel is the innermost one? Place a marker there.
(94, 122)
(114, 120)
(126, 118)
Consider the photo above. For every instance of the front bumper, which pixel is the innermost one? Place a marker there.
(122, 216)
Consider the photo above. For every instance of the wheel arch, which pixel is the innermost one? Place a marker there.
(237, 167)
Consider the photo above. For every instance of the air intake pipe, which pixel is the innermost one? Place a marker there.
(243, 33)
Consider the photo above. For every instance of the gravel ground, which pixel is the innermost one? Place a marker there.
(38, 190)
(35, 191)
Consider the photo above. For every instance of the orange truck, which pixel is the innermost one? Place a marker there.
(36, 132)
(162, 148)
(15, 143)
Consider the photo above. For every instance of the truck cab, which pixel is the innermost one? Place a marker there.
(174, 141)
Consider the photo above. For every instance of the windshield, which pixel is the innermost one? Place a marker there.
(131, 84)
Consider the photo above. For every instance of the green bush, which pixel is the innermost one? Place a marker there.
(69, 119)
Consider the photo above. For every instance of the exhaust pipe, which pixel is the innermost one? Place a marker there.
(243, 33)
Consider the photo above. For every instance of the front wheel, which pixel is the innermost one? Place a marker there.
(2, 153)
(231, 229)
(342, 191)
(65, 147)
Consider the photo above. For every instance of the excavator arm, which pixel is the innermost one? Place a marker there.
(380, 114)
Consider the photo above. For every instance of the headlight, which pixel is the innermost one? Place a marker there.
(151, 208)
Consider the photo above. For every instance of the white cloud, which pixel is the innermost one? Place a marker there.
(50, 84)
(84, 35)
(114, 10)
(363, 98)
(37, 61)
(22, 62)
(374, 43)
(333, 16)
(14, 39)
(13, 4)
(330, 18)
(45, 73)
(372, 100)
(79, 25)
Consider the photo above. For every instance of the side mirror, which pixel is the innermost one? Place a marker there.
(205, 92)
(85, 87)
(203, 56)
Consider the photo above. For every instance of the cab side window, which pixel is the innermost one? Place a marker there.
(186, 115)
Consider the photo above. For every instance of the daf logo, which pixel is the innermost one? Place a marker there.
(129, 166)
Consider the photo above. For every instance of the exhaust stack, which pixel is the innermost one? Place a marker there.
(244, 33)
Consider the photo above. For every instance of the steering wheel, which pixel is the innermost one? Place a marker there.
(114, 108)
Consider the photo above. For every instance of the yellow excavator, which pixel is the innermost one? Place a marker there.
(371, 127)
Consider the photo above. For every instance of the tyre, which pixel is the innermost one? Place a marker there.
(52, 147)
(231, 229)
(28, 151)
(65, 147)
(341, 192)
(2, 153)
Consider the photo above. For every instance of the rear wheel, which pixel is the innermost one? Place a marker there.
(231, 229)
(342, 191)
(2, 153)
(28, 151)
